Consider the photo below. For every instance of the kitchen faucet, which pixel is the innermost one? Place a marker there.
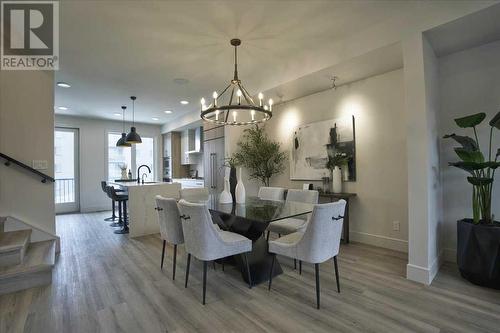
(138, 173)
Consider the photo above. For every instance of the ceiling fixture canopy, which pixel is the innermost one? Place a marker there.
(122, 142)
(234, 105)
(133, 136)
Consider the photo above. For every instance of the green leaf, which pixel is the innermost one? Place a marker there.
(492, 165)
(495, 122)
(470, 121)
(480, 181)
(467, 142)
(469, 156)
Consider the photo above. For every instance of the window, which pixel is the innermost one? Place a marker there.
(118, 157)
(144, 154)
(133, 157)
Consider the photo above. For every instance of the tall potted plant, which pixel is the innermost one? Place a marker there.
(478, 239)
(260, 155)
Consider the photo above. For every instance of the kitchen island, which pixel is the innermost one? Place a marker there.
(143, 219)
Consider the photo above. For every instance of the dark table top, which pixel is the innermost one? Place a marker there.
(343, 195)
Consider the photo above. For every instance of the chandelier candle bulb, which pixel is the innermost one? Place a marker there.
(261, 97)
(214, 95)
(238, 93)
(253, 115)
(234, 116)
(217, 115)
(270, 104)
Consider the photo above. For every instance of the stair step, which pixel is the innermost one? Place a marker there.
(13, 245)
(35, 270)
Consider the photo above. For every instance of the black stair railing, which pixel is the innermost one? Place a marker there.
(9, 161)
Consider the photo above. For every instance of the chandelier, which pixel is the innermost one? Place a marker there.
(234, 105)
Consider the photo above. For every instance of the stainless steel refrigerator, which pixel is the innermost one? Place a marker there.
(213, 163)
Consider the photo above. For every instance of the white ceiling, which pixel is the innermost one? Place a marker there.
(113, 49)
(473, 30)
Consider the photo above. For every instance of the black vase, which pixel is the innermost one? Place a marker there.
(478, 252)
(232, 183)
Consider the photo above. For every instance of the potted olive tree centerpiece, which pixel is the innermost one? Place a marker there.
(260, 155)
(478, 239)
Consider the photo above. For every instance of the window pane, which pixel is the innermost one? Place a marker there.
(117, 157)
(145, 155)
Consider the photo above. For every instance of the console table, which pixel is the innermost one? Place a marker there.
(338, 196)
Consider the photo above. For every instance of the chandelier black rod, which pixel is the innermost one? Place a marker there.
(232, 95)
(236, 63)
(245, 94)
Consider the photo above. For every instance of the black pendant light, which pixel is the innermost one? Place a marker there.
(122, 141)
(133, 136)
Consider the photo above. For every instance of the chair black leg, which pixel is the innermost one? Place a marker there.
(187, 270)
(119, 223)
(223, 266)
(316, 268)
(249, 276)
(268, 233)
(163, 253)
(336, 273)
(294, 263)
(113, 216)
(271, 272)
(205, 264)
(300, 267)
(213, 264)
(279, 235)
(175, 261)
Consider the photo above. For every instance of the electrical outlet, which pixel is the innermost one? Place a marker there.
(395, 225)
(40, 164)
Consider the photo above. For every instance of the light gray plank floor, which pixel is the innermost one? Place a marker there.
(109, 283)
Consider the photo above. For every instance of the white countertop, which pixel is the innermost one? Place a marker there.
(135, 184)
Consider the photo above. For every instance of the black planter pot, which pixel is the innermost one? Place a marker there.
(232, 183)
(478, 252)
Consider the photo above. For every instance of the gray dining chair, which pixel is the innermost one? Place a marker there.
(206, 242)
(271, 193)
(289, 225)
(170, 226)
(196, 195)
(319, 242)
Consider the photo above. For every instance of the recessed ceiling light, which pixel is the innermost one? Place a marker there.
(117, 114)
(62, 108)
(155, 119)
(184, 102)
(63, 85)
(168, 111)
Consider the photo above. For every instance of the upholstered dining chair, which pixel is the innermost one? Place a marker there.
(289, 225)
(170, 226)
(196, 195)
(319, 242)
(271, 193)
(206, 242)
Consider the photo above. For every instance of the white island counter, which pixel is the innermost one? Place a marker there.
(143, 219)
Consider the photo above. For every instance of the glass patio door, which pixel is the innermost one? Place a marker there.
(66, 170)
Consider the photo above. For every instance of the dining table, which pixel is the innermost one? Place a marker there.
(251, 220)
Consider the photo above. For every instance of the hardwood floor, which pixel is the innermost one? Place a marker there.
(109, 283)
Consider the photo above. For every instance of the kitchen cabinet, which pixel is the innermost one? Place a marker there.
(172, 156)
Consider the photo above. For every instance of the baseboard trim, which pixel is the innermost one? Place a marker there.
(424, 275)
(395, 244)
(93, 209)
(450, 255)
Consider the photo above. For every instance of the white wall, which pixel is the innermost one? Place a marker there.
(377, 104)
(26, 134)
(469, 83)
(93, 152)
(424, 209)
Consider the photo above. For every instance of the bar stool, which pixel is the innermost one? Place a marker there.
(109, 190)
(113, 216)
(122, 199)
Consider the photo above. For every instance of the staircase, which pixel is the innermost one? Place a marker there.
(23, 264)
